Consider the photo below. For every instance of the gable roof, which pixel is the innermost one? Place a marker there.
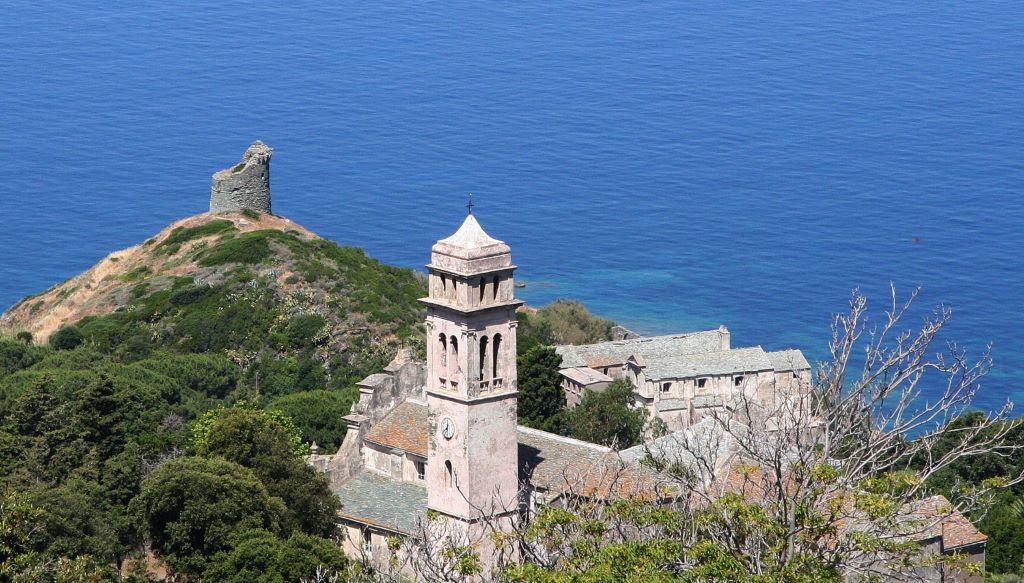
(617, 351)
(784, 360)
(739, 360)
(405, 428)
(585, 376)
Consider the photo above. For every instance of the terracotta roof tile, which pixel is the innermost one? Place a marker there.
(403, 428)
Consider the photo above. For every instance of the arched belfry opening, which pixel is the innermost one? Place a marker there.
(496, 357)
(483, 358)
(453, 359)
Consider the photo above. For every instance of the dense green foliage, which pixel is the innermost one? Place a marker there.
(541, 400)
(561, 322)
(316, 414)
(608, 417)
(258, 556)
(191, 506)
(93, 426)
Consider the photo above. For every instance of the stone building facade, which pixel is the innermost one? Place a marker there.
(682, 378)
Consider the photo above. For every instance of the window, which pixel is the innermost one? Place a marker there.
(483, 289)
(666, 387)
(702, 383)
(495, 291)
(453, 359)
(367, 543)
(483, 358)
(448, 475)
(495, 352)
(737, 380)
(421, 470)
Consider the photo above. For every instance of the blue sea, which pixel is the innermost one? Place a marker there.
(675, 165)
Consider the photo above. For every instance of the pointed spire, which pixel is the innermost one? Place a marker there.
(471, 242)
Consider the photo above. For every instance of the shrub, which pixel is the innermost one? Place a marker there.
(248, 248)
(184, 234)
(67, 338)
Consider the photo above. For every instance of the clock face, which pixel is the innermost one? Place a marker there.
(447, 428)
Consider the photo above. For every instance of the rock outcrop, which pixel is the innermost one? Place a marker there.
(246, 186)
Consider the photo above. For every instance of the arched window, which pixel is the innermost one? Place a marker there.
(483, 358)
(443, 353)
(453, 359)
(444, 284)
(483, 289)
(495, 355)
(449, 476)
(496, 287)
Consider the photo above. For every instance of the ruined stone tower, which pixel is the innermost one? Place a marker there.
(472, 448)
(246, 185)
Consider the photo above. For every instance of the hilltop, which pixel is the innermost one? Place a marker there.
(272, 296)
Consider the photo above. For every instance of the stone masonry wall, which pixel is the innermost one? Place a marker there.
(408, 379)
(244, 186)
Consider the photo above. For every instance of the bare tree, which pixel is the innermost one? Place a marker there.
(841, 469)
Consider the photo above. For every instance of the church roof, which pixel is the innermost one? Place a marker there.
(616, 352)
(377, 500)
(470, 242)
(403, 428)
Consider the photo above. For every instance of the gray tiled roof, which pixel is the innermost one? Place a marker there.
(783, 360)
(618, 351)
(672, 404)
(701, 401)
(550, 460)
(709, 439)
(584, 375)
(374, 380)
(379, 501)
(672, 366)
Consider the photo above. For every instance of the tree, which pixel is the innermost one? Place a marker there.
(259, 556)
(268, 443)
(190, 507)
(608, 417)
(318, 414)
(541, 397)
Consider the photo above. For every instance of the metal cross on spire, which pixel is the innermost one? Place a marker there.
(470, 205)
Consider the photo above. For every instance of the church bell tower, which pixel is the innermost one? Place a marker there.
(472, 465)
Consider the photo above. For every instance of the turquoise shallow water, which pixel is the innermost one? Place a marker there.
(676, 165)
